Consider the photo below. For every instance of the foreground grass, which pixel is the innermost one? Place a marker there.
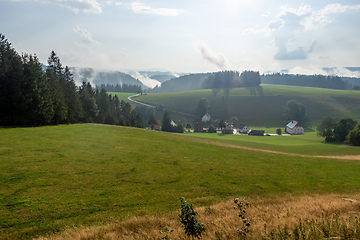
(75, 175)
(305, 217)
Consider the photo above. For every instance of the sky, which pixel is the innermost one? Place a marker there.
(188, 36)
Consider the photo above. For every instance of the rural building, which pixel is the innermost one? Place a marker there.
(242, 128)
(173, 123)
(294, 128)
(206, 118)
(256, 132)
(156, 126)
(198, 127)
(227, 130)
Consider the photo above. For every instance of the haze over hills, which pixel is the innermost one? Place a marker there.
(167, 81)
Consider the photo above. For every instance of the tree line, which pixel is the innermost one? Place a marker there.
(319, 81)
(346, 130)
(127, 88)
(232, 79)
(30, 96)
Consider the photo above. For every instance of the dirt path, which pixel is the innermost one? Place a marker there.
(345, 157)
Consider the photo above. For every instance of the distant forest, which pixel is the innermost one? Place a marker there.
(216, 80)
(319, 81)
(30, 96)
(127, 88)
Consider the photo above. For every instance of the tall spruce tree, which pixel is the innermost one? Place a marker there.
(57, 83)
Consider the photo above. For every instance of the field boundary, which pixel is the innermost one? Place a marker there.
(344, 157)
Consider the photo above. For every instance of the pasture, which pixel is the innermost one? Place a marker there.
(266, 109)
(58, 177)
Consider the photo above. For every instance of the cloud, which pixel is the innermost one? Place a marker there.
(218, 59)
(85, 6)
(87, 39)
(141, 8)
(147, 81)
(291, 25)
(323, 17)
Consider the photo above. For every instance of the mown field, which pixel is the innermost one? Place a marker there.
(265, 110)
(78, 175)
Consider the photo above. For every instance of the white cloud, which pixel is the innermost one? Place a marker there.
(87, 39)
(147, 81)
(85, 6)
(323, 17)
(215, 58)
(141, 8)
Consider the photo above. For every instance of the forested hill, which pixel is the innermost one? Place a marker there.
(184, 83)
(319, 81)
(216, 80)
(103, 77)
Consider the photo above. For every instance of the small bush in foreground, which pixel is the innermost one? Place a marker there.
(245, 225)
(188, 218)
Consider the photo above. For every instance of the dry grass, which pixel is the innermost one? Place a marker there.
(221, 220)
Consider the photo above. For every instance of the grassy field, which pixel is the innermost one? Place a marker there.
(73, 175)
(265, 110)
(307, 144)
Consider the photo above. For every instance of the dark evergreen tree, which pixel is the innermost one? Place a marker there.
(75, 111)
(11, 81)
(36, 93)
(166, 123)
(88, 101)
(57, 81)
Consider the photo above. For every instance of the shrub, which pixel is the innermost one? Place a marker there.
(188, 218)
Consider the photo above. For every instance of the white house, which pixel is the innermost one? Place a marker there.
(242, 128)
(206, 118)
(294, 128)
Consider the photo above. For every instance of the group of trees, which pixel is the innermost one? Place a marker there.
(128, 88)
(30, 96)
(167, 126)
(294, 111)
(319, 81)
(232, 79)
(346, 130)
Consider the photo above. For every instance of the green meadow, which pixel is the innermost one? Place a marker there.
(74, 175)
(266, 109)
(307, 144)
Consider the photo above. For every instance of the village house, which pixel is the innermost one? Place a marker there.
(156, 126)
(294, 128)
(206, 118)
(227, 130)
(256, 132)
(243, 129)
(199, 127)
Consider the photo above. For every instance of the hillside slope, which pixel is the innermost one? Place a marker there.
(264, 109)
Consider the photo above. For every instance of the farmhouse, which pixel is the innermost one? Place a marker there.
(156, 126)
(242, 128)
(206, 118)
(256, 132)
(198, 127)
(294, 128)
(227, 130)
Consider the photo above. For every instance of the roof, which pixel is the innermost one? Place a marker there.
(241, 126)
(293, 124)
